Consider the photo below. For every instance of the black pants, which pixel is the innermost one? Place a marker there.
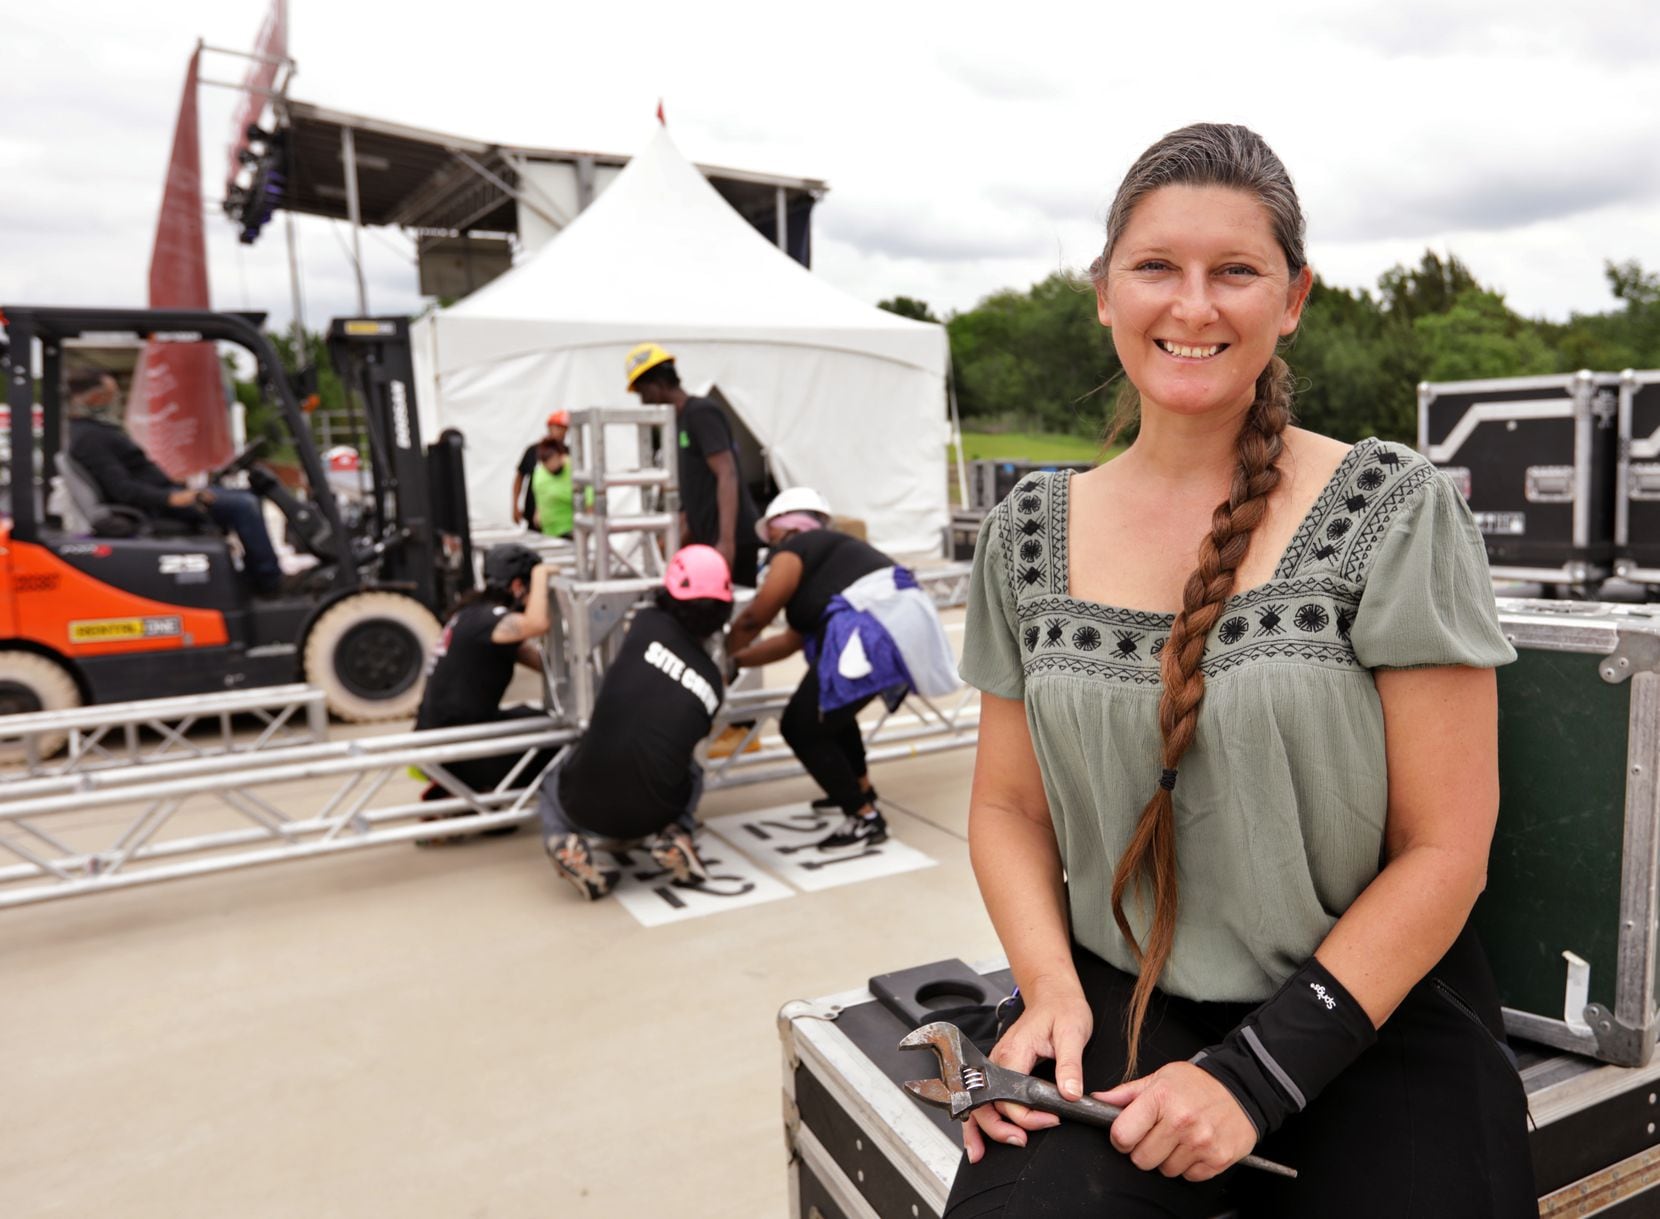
(1430, 1123)
(482, 774)
(831, 746)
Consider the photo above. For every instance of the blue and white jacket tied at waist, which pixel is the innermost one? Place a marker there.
(881, 635)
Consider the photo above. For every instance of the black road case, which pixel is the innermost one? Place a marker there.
(861, 1148)
(1569, 914)
(1637, 481)
(1535, 457)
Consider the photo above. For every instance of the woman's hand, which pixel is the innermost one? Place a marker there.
(1056, 1027)
(1181, 1121)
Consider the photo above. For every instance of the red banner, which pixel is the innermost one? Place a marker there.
(270, 51)
(177, 409)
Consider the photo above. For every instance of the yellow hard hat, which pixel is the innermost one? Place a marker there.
(645, 356)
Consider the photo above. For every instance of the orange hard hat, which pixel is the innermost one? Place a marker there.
(559, 419)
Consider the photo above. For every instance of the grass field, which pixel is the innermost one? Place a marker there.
(1029, 446)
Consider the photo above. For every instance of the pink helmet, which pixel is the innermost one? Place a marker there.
(697, 572)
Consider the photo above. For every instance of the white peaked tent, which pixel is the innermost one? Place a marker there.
(845, 397)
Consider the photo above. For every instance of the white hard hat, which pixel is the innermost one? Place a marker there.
(796, 499)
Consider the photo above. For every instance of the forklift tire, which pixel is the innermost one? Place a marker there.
(33, 683)
(368, 654)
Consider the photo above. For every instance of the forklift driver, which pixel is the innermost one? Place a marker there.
(126, 475)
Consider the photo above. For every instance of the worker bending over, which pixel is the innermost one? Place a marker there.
(866, 629)
(633, 776)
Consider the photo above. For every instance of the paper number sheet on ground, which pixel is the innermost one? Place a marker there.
(648, 893)
(785, 840)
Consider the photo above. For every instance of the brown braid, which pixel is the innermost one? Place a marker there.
(1151, 853)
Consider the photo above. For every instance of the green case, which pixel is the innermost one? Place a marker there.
(1573, 865)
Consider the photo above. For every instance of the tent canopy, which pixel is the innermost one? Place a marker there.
(844, 397)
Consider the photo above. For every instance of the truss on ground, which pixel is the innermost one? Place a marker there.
(98, 831)
(163, 729)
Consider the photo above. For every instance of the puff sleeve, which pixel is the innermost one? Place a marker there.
(1428, 598)
(991, 640)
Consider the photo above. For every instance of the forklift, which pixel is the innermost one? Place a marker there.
(100, 604)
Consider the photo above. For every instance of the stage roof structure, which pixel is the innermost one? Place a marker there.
(463, 198)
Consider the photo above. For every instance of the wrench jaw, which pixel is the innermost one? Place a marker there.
(961, 1084)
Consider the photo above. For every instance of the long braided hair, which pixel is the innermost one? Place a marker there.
(1206, 154)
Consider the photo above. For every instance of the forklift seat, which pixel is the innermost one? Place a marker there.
(84, 510)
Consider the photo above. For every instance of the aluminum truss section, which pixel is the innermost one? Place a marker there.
(648, 511)
(151, 731)
(105, 830)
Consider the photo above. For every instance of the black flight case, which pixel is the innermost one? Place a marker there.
(1535, 457)
(1637, 483)
(859, 1147)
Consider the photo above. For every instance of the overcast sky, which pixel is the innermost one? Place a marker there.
(968, 147)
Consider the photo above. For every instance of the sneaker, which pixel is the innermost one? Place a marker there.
(672, 850)
(572, 859)
(857, 831)
(826, 804)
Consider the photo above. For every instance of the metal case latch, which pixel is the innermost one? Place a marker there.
(1550, 485)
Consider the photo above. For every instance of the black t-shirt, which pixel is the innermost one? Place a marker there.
(468, 672)
(528, 461)
(703, 434)
(830, 561)
(631, 774)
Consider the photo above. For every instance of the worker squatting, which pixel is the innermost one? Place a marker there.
(661, 658)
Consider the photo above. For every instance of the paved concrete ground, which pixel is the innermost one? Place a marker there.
(438, 1033)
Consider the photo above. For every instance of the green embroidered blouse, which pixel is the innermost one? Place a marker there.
(1281, 801)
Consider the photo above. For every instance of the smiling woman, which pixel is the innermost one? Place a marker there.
(1304, 633)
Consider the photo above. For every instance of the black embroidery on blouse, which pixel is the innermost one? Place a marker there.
(1311, 618)
(1316, 587)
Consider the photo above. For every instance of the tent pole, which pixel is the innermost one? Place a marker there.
(348, 154)
(783, 221)
(957, 436)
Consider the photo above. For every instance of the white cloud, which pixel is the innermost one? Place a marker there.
(966, 152)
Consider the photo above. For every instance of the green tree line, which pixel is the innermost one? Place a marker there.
(1038, 360)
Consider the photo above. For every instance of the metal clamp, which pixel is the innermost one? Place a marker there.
(1618, 1042)
(1633, 653)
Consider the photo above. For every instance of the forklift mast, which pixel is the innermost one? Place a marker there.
(417, 509)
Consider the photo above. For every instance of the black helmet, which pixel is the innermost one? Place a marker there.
(505, 564)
